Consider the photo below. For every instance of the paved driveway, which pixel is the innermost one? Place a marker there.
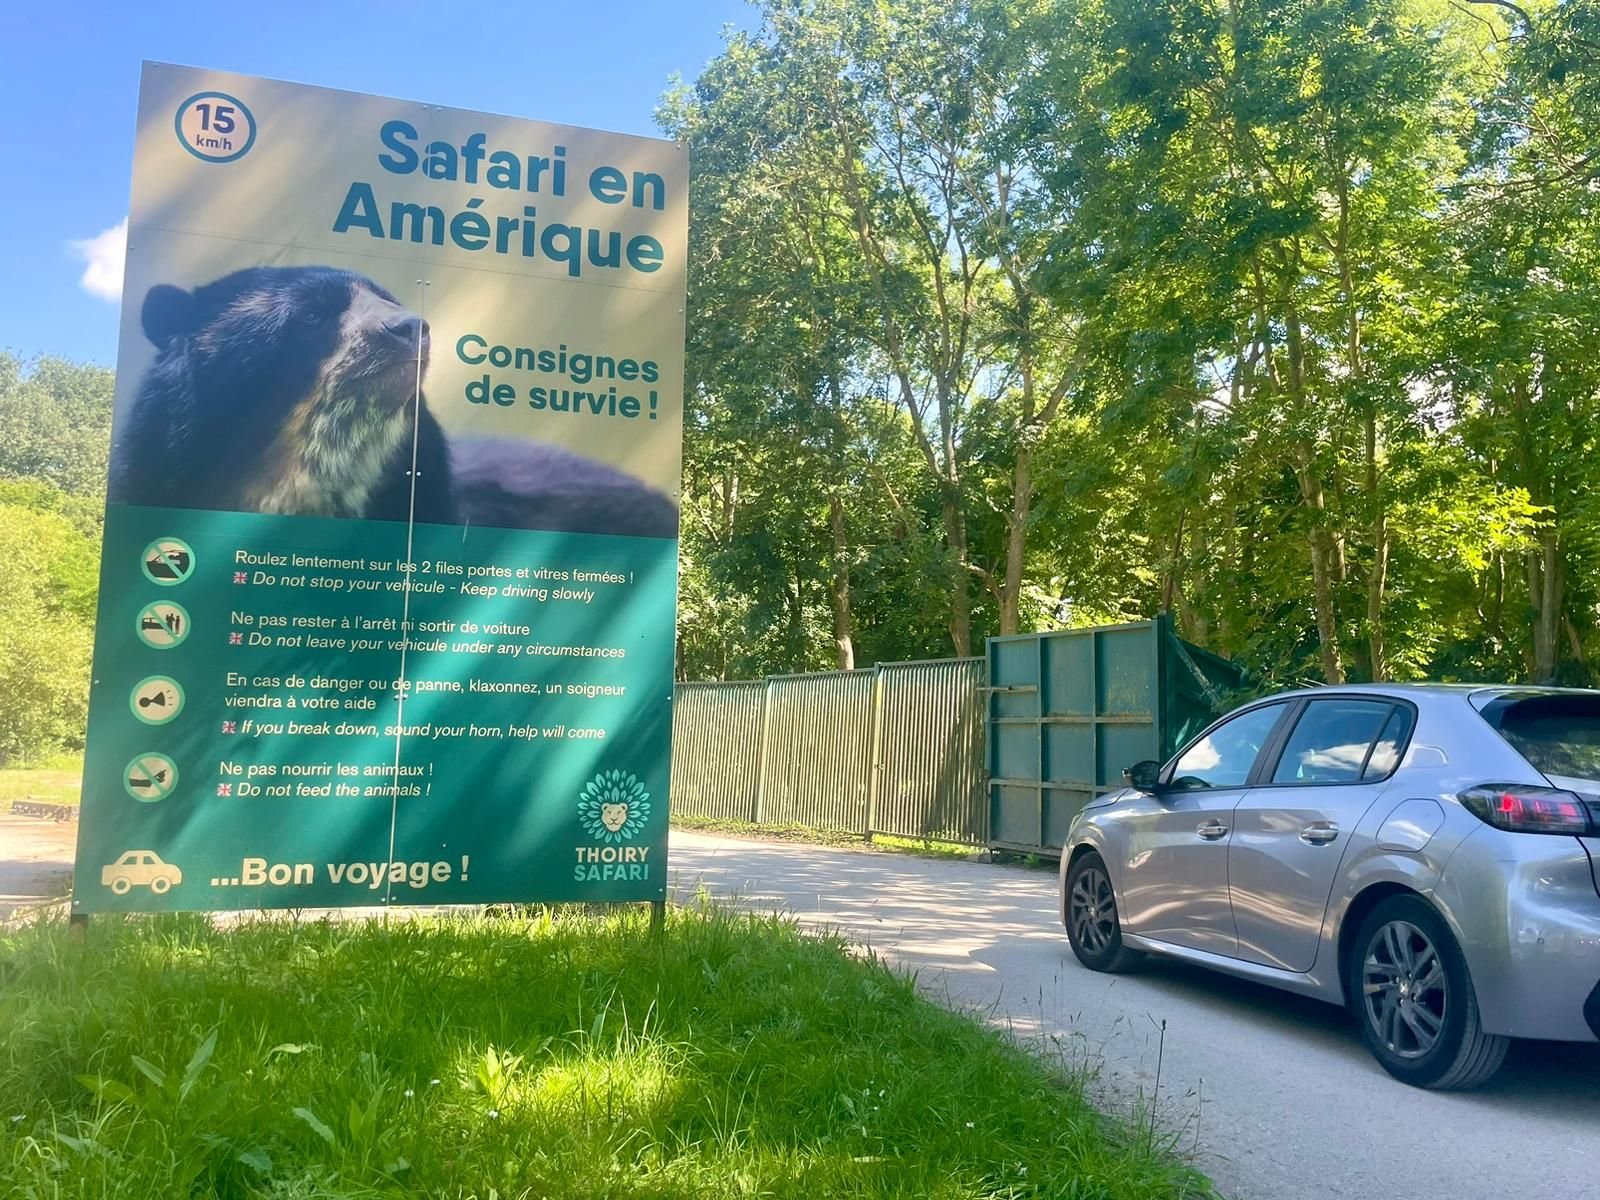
(1277, 1092)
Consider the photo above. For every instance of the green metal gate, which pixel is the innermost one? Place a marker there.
(1068, 711)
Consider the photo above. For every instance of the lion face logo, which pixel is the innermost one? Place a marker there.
(613, 806)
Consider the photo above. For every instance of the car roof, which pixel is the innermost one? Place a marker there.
(1478, 691)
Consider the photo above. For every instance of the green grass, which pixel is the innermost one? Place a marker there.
(56, 781)
(548, 1054)
(926, 847)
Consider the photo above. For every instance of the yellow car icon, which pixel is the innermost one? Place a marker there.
(140, 868)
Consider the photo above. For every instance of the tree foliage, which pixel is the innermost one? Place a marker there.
(55, 420)
(1279, 315)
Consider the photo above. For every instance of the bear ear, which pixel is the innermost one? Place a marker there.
(168, 314)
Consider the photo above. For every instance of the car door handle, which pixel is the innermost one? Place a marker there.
(1211, 830)
(1319, 833)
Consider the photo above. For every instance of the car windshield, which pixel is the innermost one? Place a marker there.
(1560, 735)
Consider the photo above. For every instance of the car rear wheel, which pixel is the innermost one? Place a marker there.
(1093, 926)
(120, 886)
(1414, 1000)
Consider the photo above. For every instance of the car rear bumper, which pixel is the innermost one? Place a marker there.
(1525, 909)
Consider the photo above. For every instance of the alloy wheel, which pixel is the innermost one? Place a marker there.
(1404, 991)
(1094, 910)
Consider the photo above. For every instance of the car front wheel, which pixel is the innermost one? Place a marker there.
(1414, 1000)
(1093, 927)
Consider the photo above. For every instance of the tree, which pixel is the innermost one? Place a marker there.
(55, 423)
(44, 632)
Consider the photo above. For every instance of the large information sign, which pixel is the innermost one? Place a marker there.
(390, 563)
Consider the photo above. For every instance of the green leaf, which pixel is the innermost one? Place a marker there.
(257, 1160)
(150, 1071)
(197, 1064)
(76, 1145)
(317, 1127)
(108, 1089)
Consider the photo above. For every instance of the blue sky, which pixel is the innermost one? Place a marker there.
(69, 77)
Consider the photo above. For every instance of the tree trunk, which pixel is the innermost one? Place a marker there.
(796, 634)
(1171, 571)
(1575, 641)
(1375, 588)
(843, 643)
(1016, 540)
(1544, 591)
(1378, 580)
(1322, 570)
(1322, 589)
(1324, 548)
(955, 535)
(1196, 621)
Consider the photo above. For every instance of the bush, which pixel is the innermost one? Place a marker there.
(47, 588)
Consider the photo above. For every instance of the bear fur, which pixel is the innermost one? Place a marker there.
(296, 390)
(284, 390)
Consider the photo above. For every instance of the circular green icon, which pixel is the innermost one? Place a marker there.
(167, 561)
(156, 699)
(150, 777)
(163, 624)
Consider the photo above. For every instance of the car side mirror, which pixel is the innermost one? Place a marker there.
(1145, 776)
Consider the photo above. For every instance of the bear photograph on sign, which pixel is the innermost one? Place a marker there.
(298, 391)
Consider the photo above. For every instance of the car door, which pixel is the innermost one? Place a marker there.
(1174, 861)
(1291, 828)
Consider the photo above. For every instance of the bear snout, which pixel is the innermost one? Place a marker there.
(410, 331)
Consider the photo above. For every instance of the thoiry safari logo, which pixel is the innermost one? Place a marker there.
(612, 809)
(613, 806)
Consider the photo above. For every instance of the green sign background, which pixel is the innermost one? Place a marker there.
(492, 784)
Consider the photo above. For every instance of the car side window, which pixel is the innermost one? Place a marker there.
(1223, 757)
(1386, 754)
(1331, 741)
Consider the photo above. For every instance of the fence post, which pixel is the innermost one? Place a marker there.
(874, 757)
(761, 755)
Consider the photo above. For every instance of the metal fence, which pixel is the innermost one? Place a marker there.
(896, 749)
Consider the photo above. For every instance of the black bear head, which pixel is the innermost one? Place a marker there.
(312, 371)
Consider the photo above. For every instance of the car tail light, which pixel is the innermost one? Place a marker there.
(1521, 808)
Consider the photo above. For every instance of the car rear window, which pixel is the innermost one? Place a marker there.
(1560, 735)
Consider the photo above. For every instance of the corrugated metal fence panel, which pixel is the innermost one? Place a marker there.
(931, 752)
(819, 750)
(716, 749)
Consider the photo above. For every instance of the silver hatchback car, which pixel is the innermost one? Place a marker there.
(1428, 855)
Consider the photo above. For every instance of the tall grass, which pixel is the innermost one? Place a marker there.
(551, 1054)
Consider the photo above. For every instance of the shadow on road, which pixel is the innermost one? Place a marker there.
(967, 927)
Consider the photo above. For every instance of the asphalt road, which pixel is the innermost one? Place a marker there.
(35, 861)
(1273, 1094)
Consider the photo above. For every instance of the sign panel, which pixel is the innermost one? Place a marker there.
(389, 580)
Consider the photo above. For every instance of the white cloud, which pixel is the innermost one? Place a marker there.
(103, 255)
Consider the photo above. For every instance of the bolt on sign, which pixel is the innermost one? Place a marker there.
(389, 579)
